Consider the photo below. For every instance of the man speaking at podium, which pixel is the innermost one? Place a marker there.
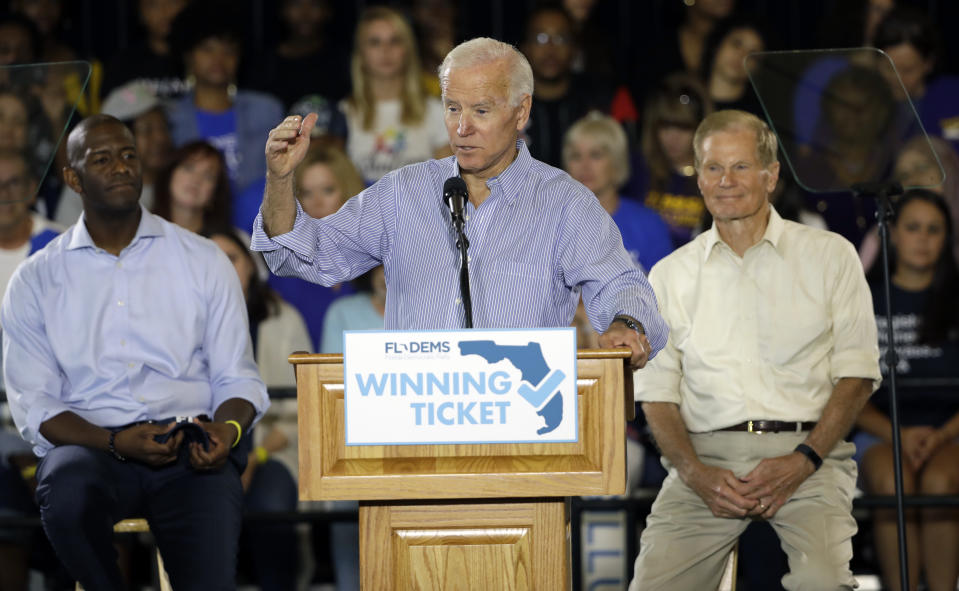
(537, 239)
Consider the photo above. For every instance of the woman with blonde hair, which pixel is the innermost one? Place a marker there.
(390, 120)
(323, 182)
(595, 153)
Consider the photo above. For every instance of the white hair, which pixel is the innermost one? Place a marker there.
(482, 51)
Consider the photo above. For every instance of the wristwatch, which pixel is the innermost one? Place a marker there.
(629, 322)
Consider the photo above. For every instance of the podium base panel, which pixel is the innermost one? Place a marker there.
(465, 545)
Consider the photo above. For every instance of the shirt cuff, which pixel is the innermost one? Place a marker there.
(654, 384)
(251, 391)
(856, 364)
(649, 393)
(653, 325)
(300, 240)
(39, 413)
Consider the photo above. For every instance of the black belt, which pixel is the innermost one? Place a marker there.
(202, 418)
(760, 427)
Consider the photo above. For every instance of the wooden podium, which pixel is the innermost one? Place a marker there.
(465, 517)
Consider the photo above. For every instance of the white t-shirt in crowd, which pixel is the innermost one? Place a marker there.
(391, 144)
(10, 259)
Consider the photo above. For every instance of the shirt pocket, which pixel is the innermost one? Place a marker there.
(519, 293)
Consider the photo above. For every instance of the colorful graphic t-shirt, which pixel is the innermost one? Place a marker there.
(392, 144)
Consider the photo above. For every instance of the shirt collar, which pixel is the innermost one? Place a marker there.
(80, 238)
(514, 177)
(774, 231)
(511, 180)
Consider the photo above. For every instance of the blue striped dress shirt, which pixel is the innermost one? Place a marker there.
(158, 331)
(536, 243)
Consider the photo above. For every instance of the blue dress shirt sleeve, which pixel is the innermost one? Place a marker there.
(233, 373)
(592, 255)
(336, 248)
(33, 390)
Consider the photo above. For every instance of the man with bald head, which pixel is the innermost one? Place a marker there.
(120, 325)
(538, 240)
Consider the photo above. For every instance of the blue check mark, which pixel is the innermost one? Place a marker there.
(536, 396)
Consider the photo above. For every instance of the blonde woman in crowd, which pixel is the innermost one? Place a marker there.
(391, 121)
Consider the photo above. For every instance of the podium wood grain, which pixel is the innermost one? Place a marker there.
(465, 517)
(509, 546)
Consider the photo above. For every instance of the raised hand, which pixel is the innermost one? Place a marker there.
(287, 143)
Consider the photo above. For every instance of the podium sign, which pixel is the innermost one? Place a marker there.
(468, 386)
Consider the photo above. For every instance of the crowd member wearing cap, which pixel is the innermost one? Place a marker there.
(771, 355)
(138, 107)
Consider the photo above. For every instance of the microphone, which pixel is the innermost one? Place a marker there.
(455, 196)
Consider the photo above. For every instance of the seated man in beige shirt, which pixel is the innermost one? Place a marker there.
(772, 352)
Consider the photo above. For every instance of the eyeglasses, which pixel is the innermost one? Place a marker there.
(546, 38)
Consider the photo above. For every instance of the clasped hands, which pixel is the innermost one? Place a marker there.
(758, 495)
(919, 443)
(138, 443)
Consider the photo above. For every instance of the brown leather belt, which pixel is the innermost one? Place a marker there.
(760, 427)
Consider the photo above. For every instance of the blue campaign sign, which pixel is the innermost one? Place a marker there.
(470, 386)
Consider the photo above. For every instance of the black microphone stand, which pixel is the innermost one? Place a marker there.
(883, 192)
(462, 244)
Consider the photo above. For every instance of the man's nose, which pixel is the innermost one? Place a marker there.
(122, 166)
(465, 126)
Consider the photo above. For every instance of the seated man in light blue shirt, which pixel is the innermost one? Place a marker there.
(537, 238)
(118, 326)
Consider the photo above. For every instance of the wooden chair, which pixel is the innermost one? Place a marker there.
(728, 580)
(140, 525)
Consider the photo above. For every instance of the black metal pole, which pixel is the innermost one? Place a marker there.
(462, 244)
(883, 194)
(892, 360)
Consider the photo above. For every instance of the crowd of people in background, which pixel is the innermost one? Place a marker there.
(200, 108)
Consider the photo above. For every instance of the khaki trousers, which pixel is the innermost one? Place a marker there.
(684, 546)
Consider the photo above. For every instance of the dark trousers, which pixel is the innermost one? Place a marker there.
(194, 516)
(271, 547)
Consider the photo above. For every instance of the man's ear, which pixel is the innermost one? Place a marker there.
(72, 179)
(773, 177)
(525, 105)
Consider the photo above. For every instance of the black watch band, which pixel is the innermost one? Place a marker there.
(111, 446)
(811, 454)
(629, 322)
